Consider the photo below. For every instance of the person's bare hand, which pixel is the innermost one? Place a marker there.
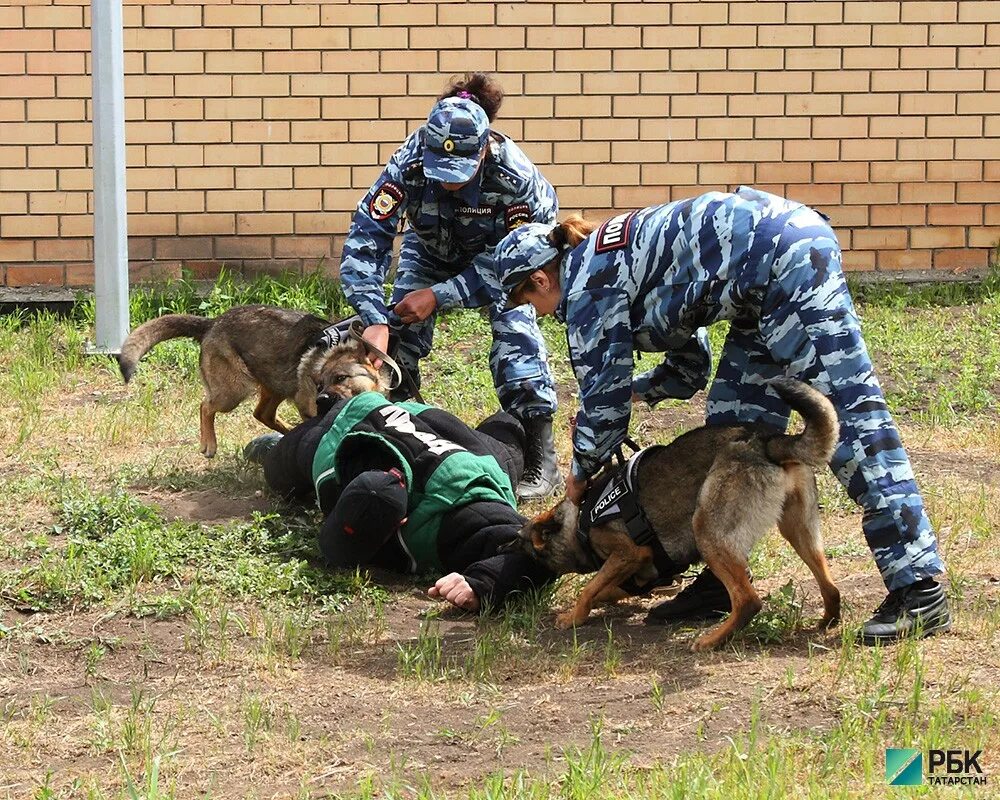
(377, 336)
(417, 306)
(575, 488)
(456, 590)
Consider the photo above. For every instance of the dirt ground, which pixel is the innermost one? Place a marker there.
(335, 720)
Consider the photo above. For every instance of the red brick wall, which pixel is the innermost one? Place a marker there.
(254, 128)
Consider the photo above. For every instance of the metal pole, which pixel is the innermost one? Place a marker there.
(110, 228)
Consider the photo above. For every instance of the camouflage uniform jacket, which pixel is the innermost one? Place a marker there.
(455, 227)
(647, 281)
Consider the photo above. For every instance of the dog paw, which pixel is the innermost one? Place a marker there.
(826, 623)
(565, 620)
(703, 643)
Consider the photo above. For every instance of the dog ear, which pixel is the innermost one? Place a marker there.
(544, 527)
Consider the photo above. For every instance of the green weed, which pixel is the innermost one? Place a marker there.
(612, 653)
(656, 696)
(780, 617)
(421, 659)
(258, 716)
(114, 544)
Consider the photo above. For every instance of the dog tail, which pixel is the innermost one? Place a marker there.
(151, 333)
(815, 445)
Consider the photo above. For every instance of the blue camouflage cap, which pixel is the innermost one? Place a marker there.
(522, 251)
(456, 131)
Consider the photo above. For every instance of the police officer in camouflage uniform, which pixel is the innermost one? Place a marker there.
(461, 187)
(649, 280)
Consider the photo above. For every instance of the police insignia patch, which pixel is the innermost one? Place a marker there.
(517, 214)
(386, 200)
(449, 145)
(614, 233)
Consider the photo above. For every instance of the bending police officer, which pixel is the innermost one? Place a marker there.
(649, 279)
(461, 187)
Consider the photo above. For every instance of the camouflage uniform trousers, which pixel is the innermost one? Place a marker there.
(518, 358)
(808, 329)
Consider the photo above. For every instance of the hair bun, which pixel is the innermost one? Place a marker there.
(477, 86)
(571, 231)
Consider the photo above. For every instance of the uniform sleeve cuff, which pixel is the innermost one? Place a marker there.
(374, 318)
(446, 295)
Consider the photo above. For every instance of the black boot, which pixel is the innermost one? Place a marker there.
(706, 597)
(920, 609)
(541, 476)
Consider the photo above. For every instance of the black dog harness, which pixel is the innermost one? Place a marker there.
(615, 496)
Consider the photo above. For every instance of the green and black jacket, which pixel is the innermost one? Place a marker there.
(440, 473)
(461, 513)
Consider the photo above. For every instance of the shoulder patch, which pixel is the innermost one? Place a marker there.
(386, 200)
(613, 234)
(517, 214)
(510, 178)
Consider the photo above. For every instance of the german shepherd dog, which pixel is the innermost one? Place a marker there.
(709, 495)
(274, 351)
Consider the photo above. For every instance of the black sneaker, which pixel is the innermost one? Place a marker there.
(257, 449)
(920, 609)
(705, 597)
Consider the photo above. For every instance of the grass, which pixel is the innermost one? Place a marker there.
(168, 630)
(111, 547)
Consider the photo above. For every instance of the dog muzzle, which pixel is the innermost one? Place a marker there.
(324, 402)
(353, 328)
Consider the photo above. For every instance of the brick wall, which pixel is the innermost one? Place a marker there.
(253, 129)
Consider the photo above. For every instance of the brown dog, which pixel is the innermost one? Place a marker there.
(271, 350)
(709, 495)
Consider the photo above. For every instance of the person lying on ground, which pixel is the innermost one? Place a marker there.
(412, 489)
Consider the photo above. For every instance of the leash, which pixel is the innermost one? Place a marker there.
(401, 374)
(619, 454)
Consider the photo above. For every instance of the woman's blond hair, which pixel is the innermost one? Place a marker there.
(571, 231)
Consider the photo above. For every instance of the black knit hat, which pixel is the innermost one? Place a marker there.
(370, 509)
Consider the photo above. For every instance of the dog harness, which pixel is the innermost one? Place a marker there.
(615, 496)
